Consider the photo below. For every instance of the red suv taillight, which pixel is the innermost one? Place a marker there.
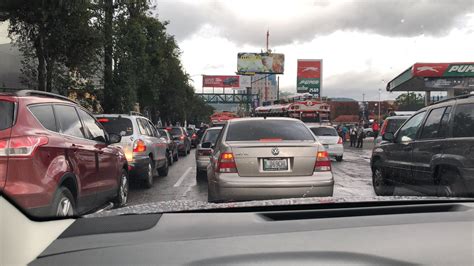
(139, 146)
(204, 152)
(339, 141)
(384, 127)
(226, 163)
(21, 146)
(323, 163)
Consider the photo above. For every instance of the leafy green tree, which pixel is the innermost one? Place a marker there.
(410, 101)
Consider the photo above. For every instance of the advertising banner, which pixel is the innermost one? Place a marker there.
(443, 69)
(308, 77)
(221, 81)
(263, 63)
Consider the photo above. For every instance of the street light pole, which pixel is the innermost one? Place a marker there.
(380, 92)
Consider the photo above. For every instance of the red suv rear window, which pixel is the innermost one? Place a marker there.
(7, 111)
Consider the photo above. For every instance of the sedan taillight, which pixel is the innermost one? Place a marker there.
(21, 146)
(323, 163)
(226, 163)
(139, 146)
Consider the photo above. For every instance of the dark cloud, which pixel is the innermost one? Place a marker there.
(385, 17)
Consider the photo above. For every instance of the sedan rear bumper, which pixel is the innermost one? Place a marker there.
(335, 150)
(202, 162)
(232, 187)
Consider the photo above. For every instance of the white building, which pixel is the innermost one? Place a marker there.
(258, 87)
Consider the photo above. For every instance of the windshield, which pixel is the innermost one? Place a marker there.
(117, 125)
(318, 101)
(324, 131)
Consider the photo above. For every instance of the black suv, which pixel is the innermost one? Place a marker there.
(432, 152)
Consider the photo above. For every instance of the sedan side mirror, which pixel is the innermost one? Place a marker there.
(114, 138)
(388, 136)
(206, 145)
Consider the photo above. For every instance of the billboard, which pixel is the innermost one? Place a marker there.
(261, 63)
(308, 77)
(443, 69)
(221, 81)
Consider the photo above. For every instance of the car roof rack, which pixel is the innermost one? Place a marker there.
(464, 96)
(23, 93)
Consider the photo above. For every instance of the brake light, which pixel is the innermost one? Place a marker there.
(194, 136)
(204, 152)
(323, 163)
(339, 141)
(181, 137)
(226, 163)
(139, 146)
(103, 120)
(270, 140)
(21, 146)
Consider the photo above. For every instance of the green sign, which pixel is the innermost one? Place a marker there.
(459, 70)
(309, 85)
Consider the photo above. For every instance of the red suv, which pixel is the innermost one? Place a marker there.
(55, 158)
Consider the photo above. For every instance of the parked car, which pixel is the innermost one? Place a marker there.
(203, 154)
(265, 158)
(172, 145)
(192, 133)
(146, 152)
(181, 137)
(431, 152)
(55, 158)
(331, 141)
(391, 124)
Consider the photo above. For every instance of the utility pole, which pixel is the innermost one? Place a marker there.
(380, 92)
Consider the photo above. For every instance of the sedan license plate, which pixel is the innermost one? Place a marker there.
(275, 164)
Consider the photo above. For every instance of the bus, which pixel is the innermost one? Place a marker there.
(302, 107)
(219, 118)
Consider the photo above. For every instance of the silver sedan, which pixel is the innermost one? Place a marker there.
(268, 158)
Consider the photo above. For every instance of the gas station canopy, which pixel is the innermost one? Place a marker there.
(435, 77)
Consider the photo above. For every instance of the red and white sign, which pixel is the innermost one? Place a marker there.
(429, 69)
(221, 81)
(309, 69)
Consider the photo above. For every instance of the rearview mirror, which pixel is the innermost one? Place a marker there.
(114, 138)
(388, 136)
(206, 145)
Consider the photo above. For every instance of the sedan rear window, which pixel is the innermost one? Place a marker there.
(324, 131)
(176, 131)
(211, 136)
(117, 125)
(7, 110)
(268, 130)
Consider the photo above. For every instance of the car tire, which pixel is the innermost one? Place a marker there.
(163, 171)
(382, 186)
(122, 195)
(450, 184)
(170, 158)
(189, 150)
(201, 175)
(176, 156)
(63, 203)
(339, 158)
(148, 182)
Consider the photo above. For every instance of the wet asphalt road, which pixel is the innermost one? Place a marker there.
(353, 178)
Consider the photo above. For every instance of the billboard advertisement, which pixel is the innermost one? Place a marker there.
(443, 69)
(261, 63)
(221, 81)
(308, 77)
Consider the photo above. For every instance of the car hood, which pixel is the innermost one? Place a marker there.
(189, 205)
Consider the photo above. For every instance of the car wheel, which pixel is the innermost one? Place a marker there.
(450, 184)
(149, 174)
(170, 158)
(339, 158)
(201, 175)
(63, 203)
(382, 186)
(176, 156)
(163, 171)
(122, 195)
(189, 150)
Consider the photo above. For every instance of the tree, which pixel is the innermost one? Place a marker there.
(410, 101)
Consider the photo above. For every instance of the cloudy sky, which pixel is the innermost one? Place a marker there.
(363, 44)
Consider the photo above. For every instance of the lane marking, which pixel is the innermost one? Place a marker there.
(181, 179)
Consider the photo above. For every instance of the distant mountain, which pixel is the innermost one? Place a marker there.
(10, 64)
(342, 99)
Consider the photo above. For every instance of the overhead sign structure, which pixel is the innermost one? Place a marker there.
(260, 63)
(308, 78)
(221, 81)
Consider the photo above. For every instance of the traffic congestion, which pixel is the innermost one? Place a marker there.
(250, 132)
